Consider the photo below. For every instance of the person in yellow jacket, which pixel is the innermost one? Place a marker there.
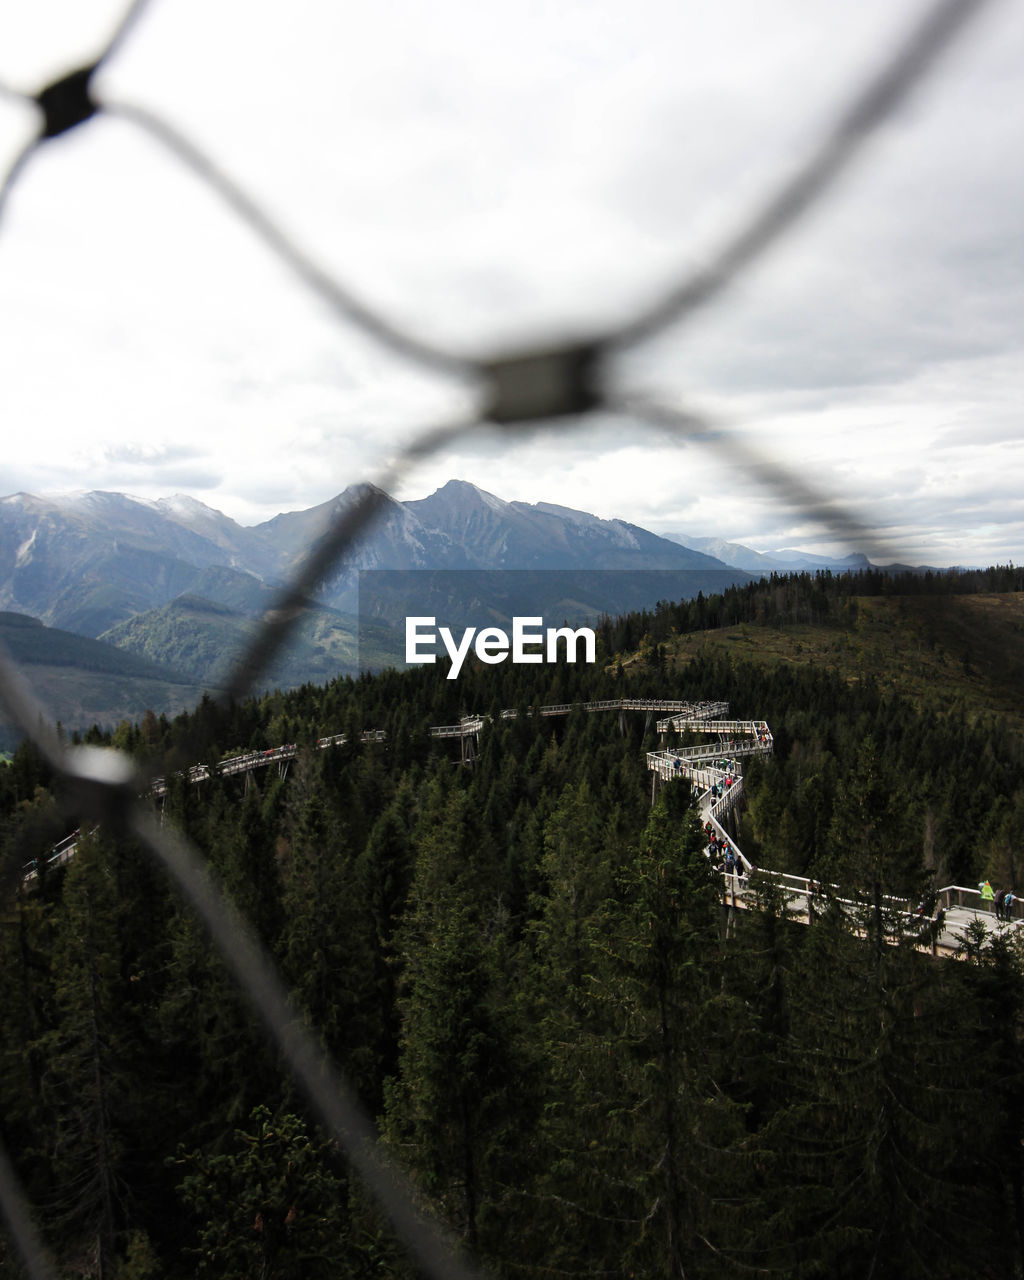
(987, 894)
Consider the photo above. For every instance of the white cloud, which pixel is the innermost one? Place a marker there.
(497, 174)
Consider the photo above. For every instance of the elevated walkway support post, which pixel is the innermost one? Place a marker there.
(728, 908)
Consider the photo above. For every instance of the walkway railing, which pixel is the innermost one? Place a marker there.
(719, 786)
(713, 772)
(693, 713)
(467, 726)
(956, 896)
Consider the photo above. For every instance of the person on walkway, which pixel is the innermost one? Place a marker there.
(987, 894)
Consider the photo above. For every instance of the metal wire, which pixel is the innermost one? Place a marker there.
(15, 1210)
(834, 515)
(340, 299)
(559, 385)
(123, 29)
(14, 172)
(939, 27)
(345, 530)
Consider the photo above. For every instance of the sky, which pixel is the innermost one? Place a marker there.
(501, 176)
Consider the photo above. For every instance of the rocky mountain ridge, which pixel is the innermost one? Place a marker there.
(90, 561)
(182, 587)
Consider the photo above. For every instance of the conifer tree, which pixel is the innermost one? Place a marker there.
(271, 1207)
(871, 848)
(634, 1132)
(86, 1086)
(222, 1066)
(449, 1111)
(26, 1013)
(678, 1025)
(874, 1160)
(565, 1035)
(988, 999)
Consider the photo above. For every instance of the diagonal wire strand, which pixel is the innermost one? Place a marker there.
(938, 29)
(339, 1112)
(342, 535)
(13, 95)
(19, 1221)
(17, 167)
(26, 712)
(835, 516)
(341, 300)
(106, 784)
(123, 29)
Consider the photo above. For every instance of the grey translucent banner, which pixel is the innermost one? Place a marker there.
(408, 615)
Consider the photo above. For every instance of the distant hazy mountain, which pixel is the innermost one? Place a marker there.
(463, 527)
(789, 559)
(741, 557)
(85, 562)
(488, 533)
(731, 553)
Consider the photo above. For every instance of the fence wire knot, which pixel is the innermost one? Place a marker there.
(543, 384)
(101, 782)
(67, 102)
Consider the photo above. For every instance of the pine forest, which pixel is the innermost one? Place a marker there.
(523, 967)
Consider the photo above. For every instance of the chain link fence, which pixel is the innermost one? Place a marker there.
(514, 391)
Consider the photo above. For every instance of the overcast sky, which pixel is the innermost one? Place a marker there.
(502, 174)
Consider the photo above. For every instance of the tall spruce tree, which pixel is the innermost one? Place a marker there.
(86, 1086)
(450, 1110)
(678, 1026)
(637, 1137)
(272, 1206)
(573, 1184)
(874, 1155)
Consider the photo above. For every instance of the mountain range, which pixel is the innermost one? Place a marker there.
(184, 586)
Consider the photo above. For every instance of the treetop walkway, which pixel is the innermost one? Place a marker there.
(713, 770)
(468, 727)
(689, 712)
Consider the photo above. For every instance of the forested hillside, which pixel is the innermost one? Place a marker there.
(522, 968)
(950, 640)
(82, 680)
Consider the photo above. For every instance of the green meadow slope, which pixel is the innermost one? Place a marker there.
(942, 652)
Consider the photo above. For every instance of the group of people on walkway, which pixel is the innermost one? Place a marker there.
(723, 856)
(724, 784)
(1002, 900)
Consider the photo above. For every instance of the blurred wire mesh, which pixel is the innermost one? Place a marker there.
(551, 388)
